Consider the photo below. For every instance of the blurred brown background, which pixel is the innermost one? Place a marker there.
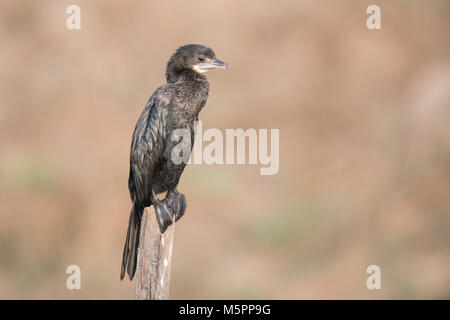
(364, 147)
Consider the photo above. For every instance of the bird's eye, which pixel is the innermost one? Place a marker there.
(201, 59)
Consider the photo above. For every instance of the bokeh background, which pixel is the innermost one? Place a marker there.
(364, 147)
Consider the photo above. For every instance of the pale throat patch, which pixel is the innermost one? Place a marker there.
(199, 70)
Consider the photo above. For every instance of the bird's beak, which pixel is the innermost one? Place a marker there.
(213, 64)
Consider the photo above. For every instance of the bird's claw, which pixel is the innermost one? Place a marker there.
(170, 210)
(164, 215)
(177, 201)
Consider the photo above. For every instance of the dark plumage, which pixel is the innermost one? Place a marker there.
(172, 106)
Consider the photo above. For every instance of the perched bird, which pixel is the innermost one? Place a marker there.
(175, 105)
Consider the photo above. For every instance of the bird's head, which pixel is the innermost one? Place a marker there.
(192, 57)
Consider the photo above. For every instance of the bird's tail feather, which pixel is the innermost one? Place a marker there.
(129, 260)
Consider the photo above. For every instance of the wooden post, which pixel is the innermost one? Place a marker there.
(154, 259)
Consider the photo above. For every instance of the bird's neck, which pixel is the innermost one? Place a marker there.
(189, 75)
(193, 90)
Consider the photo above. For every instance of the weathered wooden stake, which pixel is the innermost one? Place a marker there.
(154, 259)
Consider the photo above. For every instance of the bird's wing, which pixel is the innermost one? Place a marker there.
(147, 148)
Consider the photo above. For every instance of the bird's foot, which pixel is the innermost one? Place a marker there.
(164, 214)
(169, 210)
(177, 202)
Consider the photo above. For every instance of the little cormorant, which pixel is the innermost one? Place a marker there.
(175, 105)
